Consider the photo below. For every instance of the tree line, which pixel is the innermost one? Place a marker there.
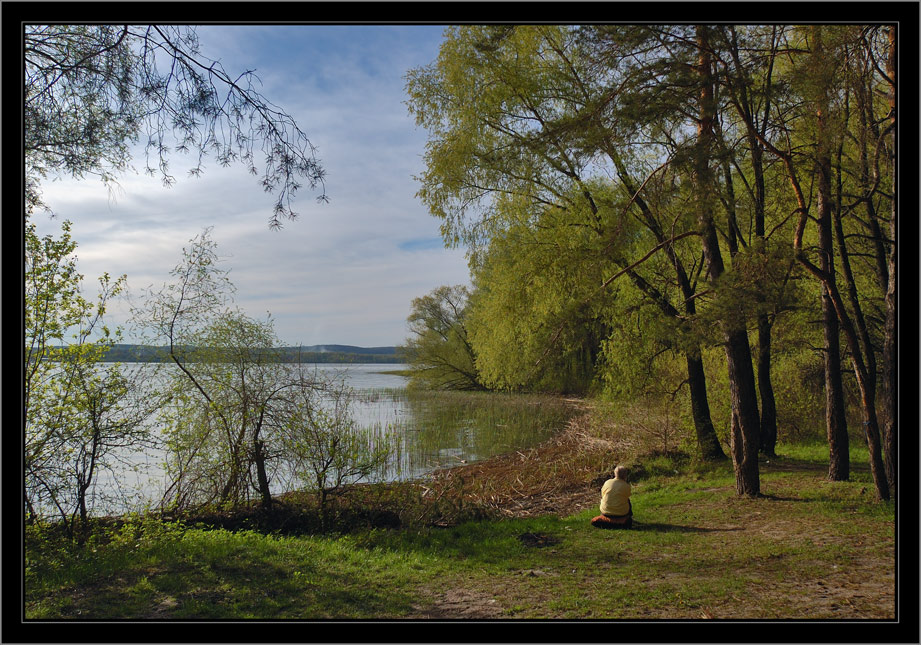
(133, 353)
(231, 416)
(703, 211)
(640, 203)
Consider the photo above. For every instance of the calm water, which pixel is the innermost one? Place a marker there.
(435, 430)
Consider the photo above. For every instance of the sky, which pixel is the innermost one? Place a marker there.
(346, 271)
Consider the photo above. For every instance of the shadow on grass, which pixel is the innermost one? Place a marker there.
(780, 463)
(778, 498)
(677, 528)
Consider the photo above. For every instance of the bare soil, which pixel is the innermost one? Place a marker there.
(864, 589)
(562, 477)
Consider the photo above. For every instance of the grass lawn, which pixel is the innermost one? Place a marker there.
(807, 549)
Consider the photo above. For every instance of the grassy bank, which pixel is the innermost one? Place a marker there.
(808, 548)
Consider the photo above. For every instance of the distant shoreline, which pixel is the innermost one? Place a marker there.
(405, 373)
(129, 353)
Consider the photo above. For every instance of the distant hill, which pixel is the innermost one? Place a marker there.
(347, 349)
(126, 353)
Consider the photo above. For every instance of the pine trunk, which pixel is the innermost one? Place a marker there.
(707, 441)
(835, 421)
(890, 368)
(746, 431)
(871, 427)
(768, 442)
(745, 412)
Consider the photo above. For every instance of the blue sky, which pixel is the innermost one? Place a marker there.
(346, 271)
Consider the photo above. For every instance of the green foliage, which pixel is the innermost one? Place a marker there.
(238, 417)
(526, 328)
(76, 415)
(439, 350)
(482, 101)
(538, 312)
(634, 359)
(93, 90)
(324, 445)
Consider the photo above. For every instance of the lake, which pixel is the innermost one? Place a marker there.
(435, 429)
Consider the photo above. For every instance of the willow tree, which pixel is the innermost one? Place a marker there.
(509, 111)
(439, 348)
(538, 319)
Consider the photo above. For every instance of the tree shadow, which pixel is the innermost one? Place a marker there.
(778, 498)
(678, 528)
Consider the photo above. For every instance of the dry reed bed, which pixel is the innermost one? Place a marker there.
(562, 475)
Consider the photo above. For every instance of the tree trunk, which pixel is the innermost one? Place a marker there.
(865, 380)
(889, 372)
(261, 476)
(835, 421)
(746, 431)
(707, 442)
(744, 411)
(871, 428)
(768, 440)
(323, 501)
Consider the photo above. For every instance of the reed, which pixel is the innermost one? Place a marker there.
(442, 429)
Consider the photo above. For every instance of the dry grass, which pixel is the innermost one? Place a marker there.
(548, 478)
(806, 549)
(559, 476)
(795, 552)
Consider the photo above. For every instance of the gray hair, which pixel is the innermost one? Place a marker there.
(620, 473)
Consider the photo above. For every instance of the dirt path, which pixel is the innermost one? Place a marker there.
(865, 589)
(454, 604)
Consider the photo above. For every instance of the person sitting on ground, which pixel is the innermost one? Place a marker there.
(616, 508)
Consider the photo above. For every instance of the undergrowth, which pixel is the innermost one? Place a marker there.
(478, 542)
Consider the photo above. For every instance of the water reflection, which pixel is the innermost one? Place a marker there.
(433, 429)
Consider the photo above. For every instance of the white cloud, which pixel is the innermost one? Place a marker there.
(344, 272)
